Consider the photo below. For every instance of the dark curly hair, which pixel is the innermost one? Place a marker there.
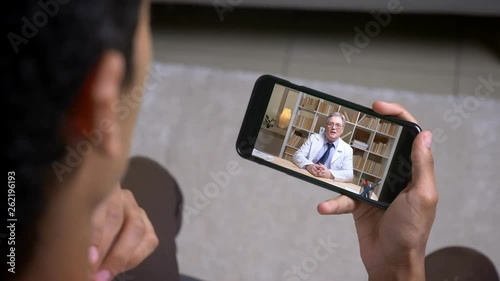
(52, 47)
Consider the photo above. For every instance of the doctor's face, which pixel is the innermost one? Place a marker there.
(334, 128)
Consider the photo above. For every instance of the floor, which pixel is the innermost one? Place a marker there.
(429, 54)
(251, 229)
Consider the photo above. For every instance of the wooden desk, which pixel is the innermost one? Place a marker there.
(345, 185)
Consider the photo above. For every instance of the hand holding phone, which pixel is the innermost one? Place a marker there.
(331, 142)
(381, 153)
(392, 242)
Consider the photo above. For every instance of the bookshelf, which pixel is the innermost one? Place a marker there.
(373, 140)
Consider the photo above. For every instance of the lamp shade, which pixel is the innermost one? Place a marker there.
(284, 119)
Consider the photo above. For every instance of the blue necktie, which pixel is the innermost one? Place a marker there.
(323, 158)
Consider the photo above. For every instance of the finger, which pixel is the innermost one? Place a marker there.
(147, 246)
(99, 218)
(393, 109)
(98, 223)
(423, 182)
(337, 206)
(129, 238)
(112, 224)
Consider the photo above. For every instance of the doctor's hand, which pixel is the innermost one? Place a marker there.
(122, 236)
(324, 172)
(393, 241)
(313, 169)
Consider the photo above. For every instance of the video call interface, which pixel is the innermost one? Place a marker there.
(312, 136)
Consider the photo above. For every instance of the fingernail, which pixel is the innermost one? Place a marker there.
(428, 140)
(93, 255)
(103, 275)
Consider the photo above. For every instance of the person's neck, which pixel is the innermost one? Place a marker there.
(331, 141)
(61, 250)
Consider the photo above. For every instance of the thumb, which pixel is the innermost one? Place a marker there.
(423, 182)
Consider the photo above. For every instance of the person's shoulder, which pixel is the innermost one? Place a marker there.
(316, 136)
(345, 145)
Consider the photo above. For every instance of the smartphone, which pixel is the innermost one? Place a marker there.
(331, 142)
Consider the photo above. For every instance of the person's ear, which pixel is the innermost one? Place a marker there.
(91, 117)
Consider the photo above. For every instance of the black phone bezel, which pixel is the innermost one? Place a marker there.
(255, 113)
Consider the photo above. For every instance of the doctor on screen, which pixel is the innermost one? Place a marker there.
(326, 155)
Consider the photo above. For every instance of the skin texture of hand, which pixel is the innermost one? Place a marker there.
(392, 242)
(313, 169)
(324, 172)
(122, 236)
(319, 170)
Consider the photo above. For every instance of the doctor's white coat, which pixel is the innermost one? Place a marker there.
(341, 164)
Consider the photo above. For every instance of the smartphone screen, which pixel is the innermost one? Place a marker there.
(338, 144)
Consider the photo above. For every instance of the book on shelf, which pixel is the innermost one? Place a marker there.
(290, 150)
(296, 141)
(357, 162)
(359, 144)
(368, 122)
(310, 103)
(327, 108)
(349, 118)
(346, 135)
(388, 128)
(304, 122)
(355, 180)
(374, 168)
(381, 148)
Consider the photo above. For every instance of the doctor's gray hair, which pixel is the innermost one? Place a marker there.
(337, 114)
